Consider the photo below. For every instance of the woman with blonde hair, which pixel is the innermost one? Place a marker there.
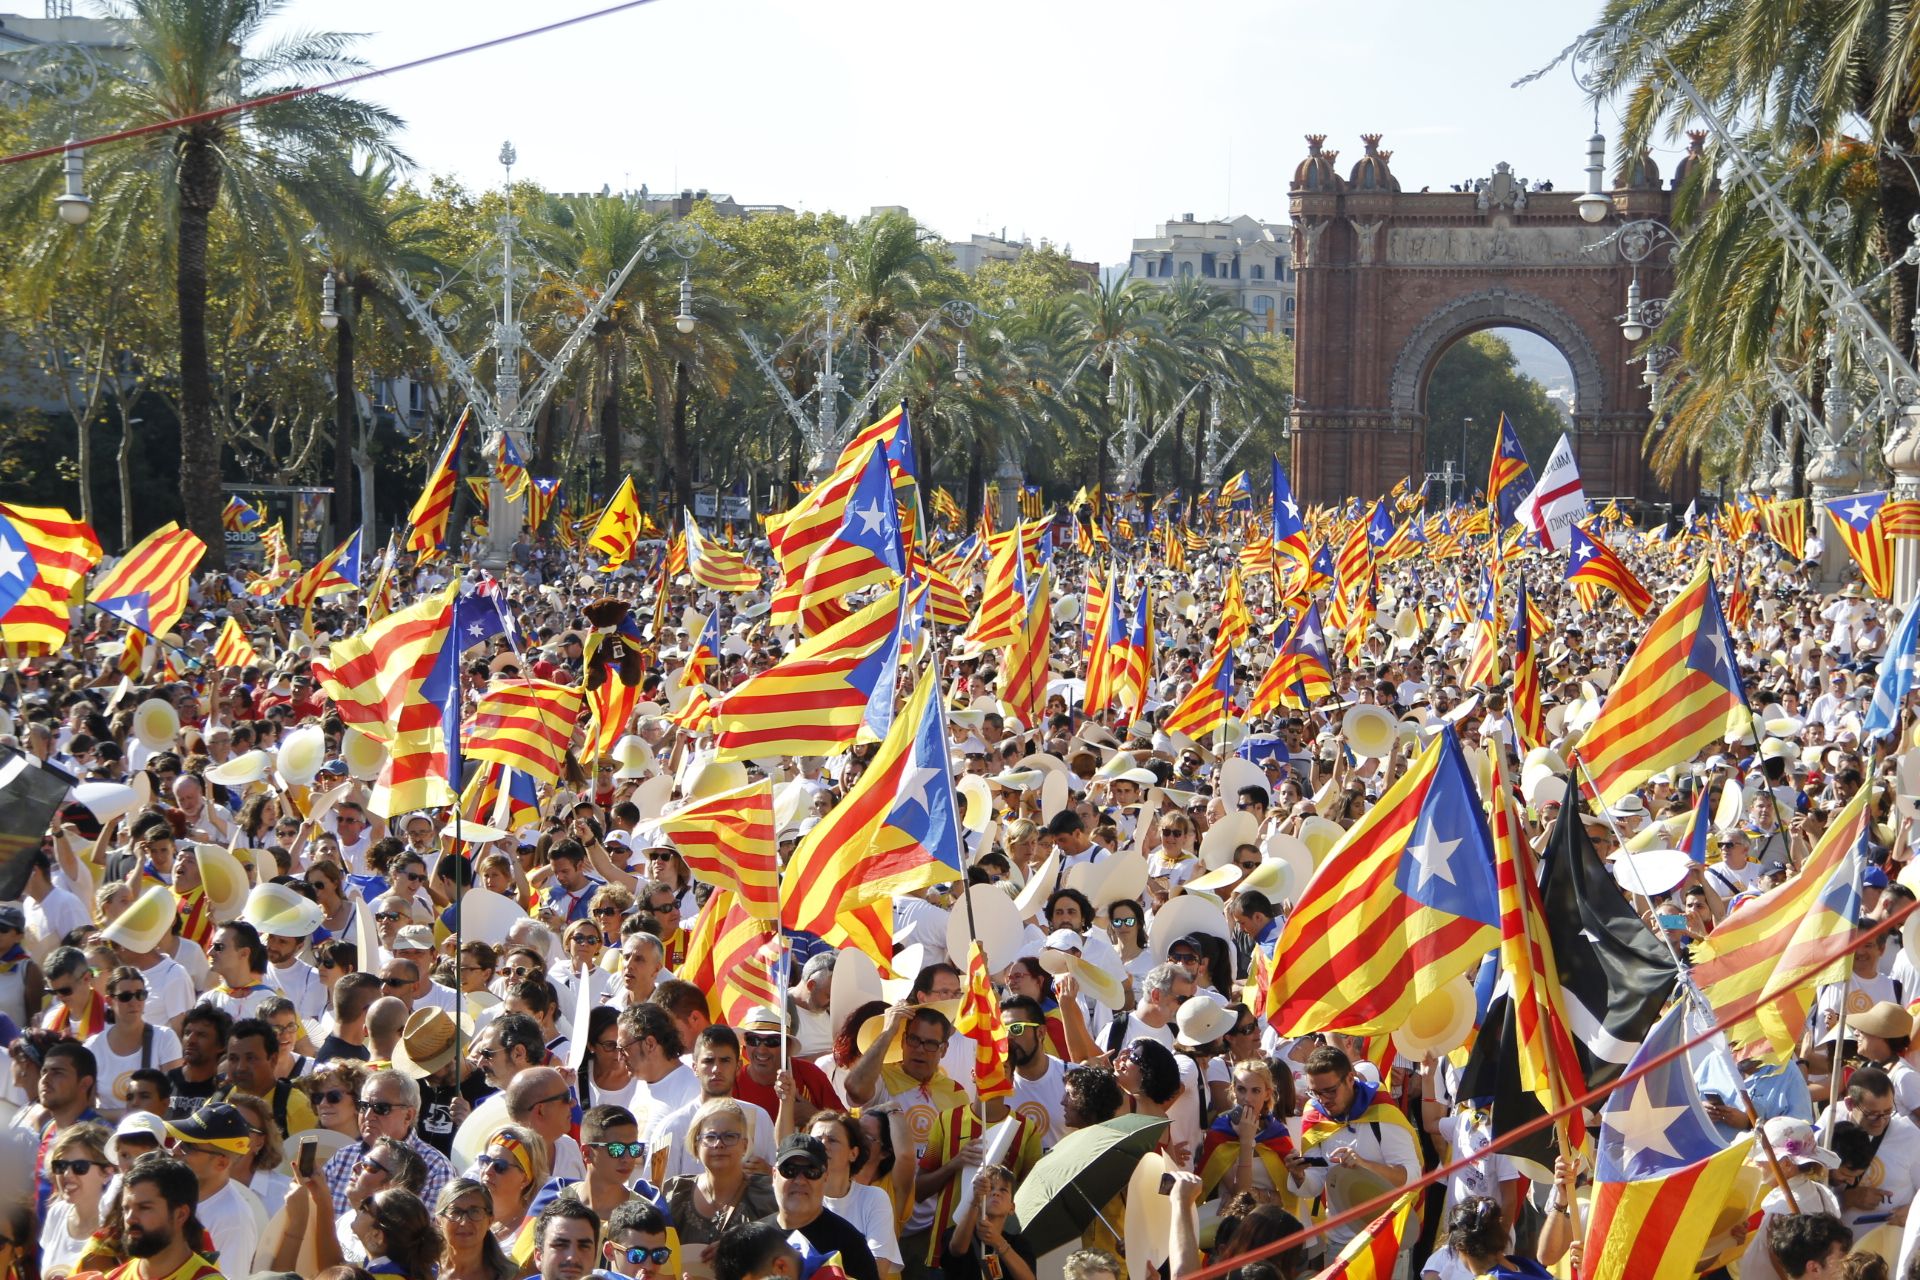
(514, 1164)
(723, 1193)
(77, 1163)
(463, 1212)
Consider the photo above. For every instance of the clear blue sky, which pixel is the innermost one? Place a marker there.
(1081, 122)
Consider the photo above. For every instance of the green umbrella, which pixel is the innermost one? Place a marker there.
(1072, 1183)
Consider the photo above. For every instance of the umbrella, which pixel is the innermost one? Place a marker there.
(1065, 1191)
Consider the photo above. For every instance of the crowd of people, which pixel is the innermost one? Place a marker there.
(253, 1029)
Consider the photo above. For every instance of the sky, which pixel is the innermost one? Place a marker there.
(1080, 122)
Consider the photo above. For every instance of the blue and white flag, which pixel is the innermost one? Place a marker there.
(1896, 677)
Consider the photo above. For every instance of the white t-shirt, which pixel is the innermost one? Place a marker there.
(1861, 995)
(52, 918)
(1043, 1101)
(1468, 1133)
(170, 991)
(651, 1102)
(59, 1249)
(114, 1068)
(234, 1217)
(301, 983)
(871, 1213)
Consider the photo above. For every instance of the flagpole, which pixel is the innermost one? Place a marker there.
(1699, 999)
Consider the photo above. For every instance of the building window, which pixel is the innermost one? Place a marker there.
(1166, 264)
(1186, 269)
(1259, 272)
(1289, 275)
(1206, 265)
(1146, 265)
(1289, 306)
(1262, 305)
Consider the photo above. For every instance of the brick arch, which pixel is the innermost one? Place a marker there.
(1497, 307)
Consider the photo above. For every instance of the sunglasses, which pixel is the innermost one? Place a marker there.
(520, 971)
(63, 993)
(1126, 922)
(384, 916)
(1021, 1028)
(216, 948)
(390, 983)
(493, 1164)
(128, 997)
(761, 1042)
(381, 1108)
(473, 1213)
(365, 1163)
(1246, 1030)
(82, 1167)
(811, 1172)
(606, 911)
(620, 1150)
(334, 1097)
(657, 1256)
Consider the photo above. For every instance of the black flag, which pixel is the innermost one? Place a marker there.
(1615, 978)
(30, 795)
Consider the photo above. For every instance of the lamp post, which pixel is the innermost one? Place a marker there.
(73, 204)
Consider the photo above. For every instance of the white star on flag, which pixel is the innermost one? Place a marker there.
(1584, 550)
(913, 787)
(1858, 513)
(10, 560)
(1643, 1126)
(1432, 854)
(871, 518)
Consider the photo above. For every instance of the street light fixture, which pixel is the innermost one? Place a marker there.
(73, 204)
(1593, 205)
(963, 371)
(684, 321)
(329, 295)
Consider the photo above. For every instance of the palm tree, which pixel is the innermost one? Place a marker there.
(1804, 73)
(1206, 330)
(894, 267)
(386, 233)
(271, 167)
(1118, 332)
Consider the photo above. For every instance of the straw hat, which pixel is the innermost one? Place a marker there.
(107, 800)
(156, 724)
(1438, 1024)
(1320, 835)
(1885, 1020)
(1123, 876)
(277, 910)
(427, 1042)
(856, 981)
(302, 754)
(141, 926)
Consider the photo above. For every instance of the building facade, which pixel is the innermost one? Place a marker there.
(1250, 259)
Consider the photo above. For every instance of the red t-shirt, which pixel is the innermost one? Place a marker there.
(813, 1082)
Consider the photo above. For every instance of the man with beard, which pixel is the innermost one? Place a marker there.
(157, 1201)
(1039, 1078)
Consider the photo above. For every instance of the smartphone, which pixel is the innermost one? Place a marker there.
(1166, 1184)
(1713, 1099)
(304, 1161)
(1670, 921)
(1314, 1162)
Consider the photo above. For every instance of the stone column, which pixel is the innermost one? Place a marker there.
(1902, 456)
(1007, 478)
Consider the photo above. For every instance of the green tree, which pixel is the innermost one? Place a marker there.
(1477, 380)
(267, 168)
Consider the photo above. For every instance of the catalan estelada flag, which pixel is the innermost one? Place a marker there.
(147, 588)
(816, 700)
(712, 565)
(1023, 676)
(796, 533)
(1103, 636)
(232, 648)
(1789, 939)
(540, 500)
(433, 510)
(979, 1020)
(525, 725)
(1857, 521)
(239, 515)
(1405, 903)
(510, 468)
(696, 713)
(1785, 521)
(1679, 693)
(733, 957)
(1133, 659)
(728, 840)
(618, 528)
(864, 549)
(1529, 716)
(1593, 566)
(45, 555)
(896, 831)
(1508, 477)
(1664, 1170)
(337, 571)
(1210, 701)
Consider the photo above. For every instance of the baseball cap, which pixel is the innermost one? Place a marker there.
(137, 1124)
(415, 937)
(217, 1124)
(798, 1146)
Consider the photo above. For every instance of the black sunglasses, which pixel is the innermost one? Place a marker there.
(128, 997)
(381, 1108)
(334, 1097)
(657, 1256)
(82, 1167)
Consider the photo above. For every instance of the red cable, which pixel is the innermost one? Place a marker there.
(1380, 1203)
(288, 94)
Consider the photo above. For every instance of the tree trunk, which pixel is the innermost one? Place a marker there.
(610, 462)
(682, 455)
(1899, 202)
(124, 461)
(1178, 462)
(85, 425)
(345, 423)
(976, 487)
(199, 445)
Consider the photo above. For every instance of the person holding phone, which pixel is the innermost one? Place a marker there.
(1246, 1147)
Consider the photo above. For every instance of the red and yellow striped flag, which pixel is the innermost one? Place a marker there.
(1679, 693)
(715, 566)
(731, 956)
(1375, 1252)
(1785, 521)
(433, 510)
(1023, 680)
(64, 550)
(525, 725)
(232, 648)
(147, 588)
(1529, 716)
(728, 841)
(814, 701)
(979, 1020)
